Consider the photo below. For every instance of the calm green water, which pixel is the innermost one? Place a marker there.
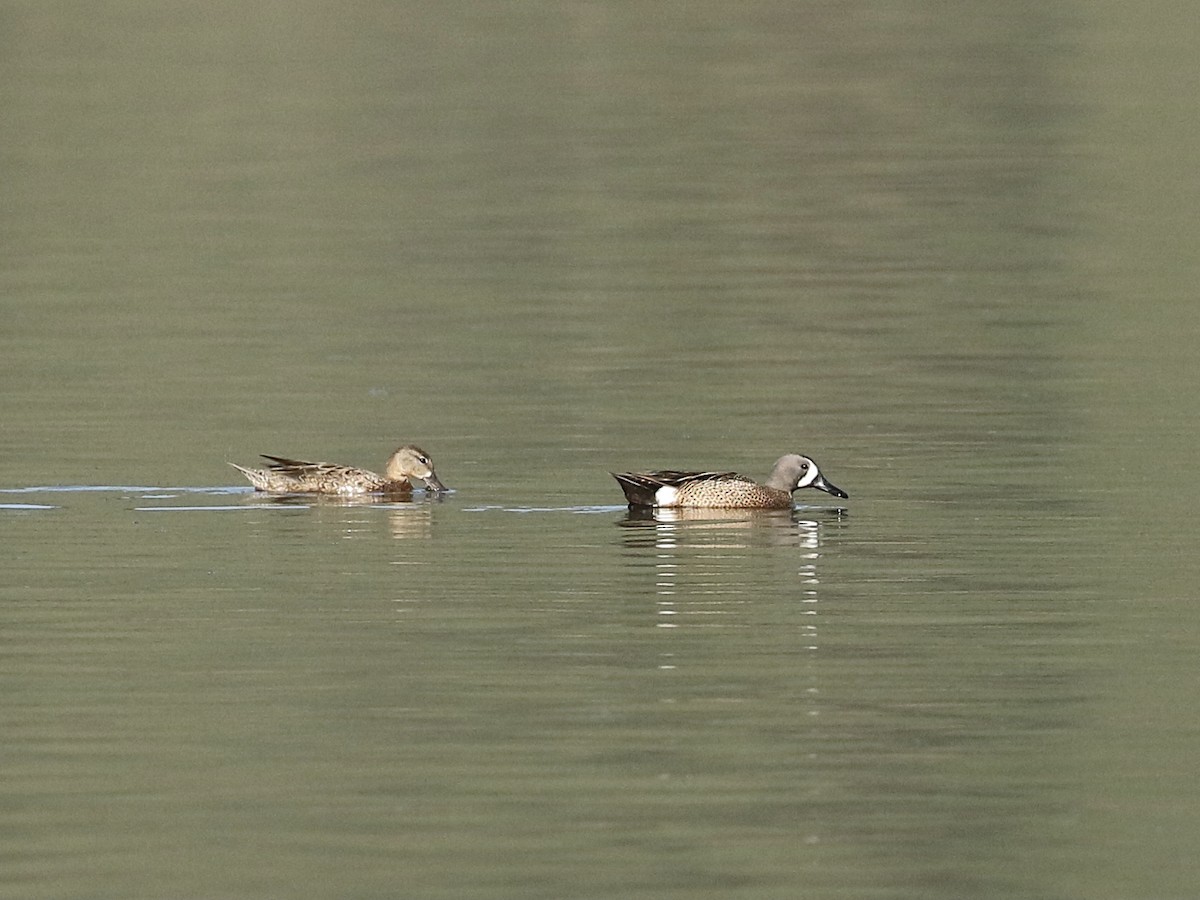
(947, 252)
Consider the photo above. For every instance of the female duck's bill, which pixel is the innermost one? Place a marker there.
(725, 490)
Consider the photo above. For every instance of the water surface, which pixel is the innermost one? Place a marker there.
(945, 254)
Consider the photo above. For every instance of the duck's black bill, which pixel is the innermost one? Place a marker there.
(822, 485)
(433, 483)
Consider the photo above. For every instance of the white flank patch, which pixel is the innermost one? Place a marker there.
(666, 496)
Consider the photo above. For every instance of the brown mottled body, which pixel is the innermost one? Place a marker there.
(725, 490)
(295, 476)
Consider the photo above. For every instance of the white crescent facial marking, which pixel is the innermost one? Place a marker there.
(810, 475)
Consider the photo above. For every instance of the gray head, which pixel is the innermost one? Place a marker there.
(794, 471)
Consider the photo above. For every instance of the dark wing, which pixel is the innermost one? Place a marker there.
(295, 467)
(640, 487)
(678, 479)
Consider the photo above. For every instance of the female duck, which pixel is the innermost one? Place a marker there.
(295, 476)
(725, 490)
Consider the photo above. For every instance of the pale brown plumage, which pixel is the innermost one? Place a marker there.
(294, 476)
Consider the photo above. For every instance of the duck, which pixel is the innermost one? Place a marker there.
(295, 476)
(725, 490)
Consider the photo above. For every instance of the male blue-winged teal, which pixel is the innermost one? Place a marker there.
(725, 490)
(295, 476)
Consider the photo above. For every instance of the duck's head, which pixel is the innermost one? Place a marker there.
(410, 461)
(793, 472)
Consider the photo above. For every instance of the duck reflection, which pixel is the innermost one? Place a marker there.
(705, 566)
(411, 520)
(408, 515)
(735, 527)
